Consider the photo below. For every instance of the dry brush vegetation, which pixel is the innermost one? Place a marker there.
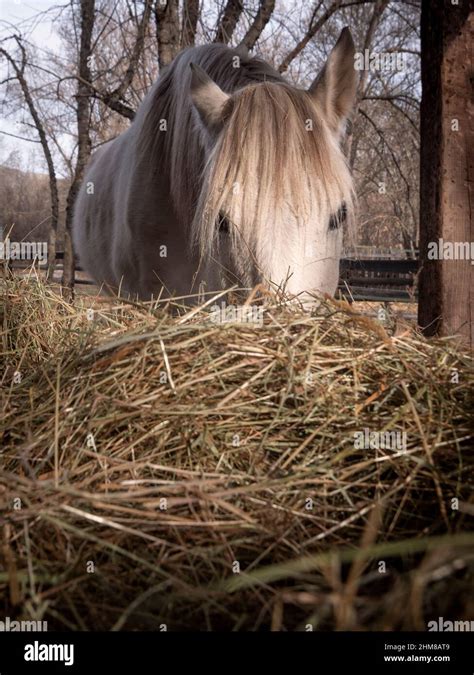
(161, 469)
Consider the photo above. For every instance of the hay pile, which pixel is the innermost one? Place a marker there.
(162, 469)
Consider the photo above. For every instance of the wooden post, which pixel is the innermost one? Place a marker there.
(446, 289)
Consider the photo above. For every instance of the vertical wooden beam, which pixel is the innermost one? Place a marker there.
(446, 288)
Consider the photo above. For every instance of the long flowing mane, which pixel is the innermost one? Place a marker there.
(181, 145)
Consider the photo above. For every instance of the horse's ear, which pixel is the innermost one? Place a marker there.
(208, 98)
(336, 86)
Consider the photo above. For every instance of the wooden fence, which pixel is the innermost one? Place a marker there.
(377, 280)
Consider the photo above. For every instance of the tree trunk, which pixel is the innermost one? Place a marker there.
(264, 14)
(53, 183)
(167, 30)
(228, 21)
(446, 292)
(190, 20)
(84, 142)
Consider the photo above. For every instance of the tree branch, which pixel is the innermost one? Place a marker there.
(190, 20)
(134, 59)
(228, 21)
(262, 18)
(350, 146)
(314, 27)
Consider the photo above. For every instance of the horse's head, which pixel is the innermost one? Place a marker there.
(276, 186)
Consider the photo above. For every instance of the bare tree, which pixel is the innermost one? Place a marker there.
(262, 17)
(83, 132)
(113, 98)
(228, 21)
(190, 21)
(167, 30)
(19, 70)
(314, 26)
(377, 12)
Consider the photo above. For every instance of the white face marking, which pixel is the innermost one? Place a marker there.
(301, 256)
(305, 257)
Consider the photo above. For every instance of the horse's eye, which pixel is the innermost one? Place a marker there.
(338, 218)
(223, 223)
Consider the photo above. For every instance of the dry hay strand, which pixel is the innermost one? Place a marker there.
(160, 469)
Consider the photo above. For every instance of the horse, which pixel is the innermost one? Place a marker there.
(227, 175)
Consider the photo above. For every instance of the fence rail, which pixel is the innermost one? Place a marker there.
(377, 280)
